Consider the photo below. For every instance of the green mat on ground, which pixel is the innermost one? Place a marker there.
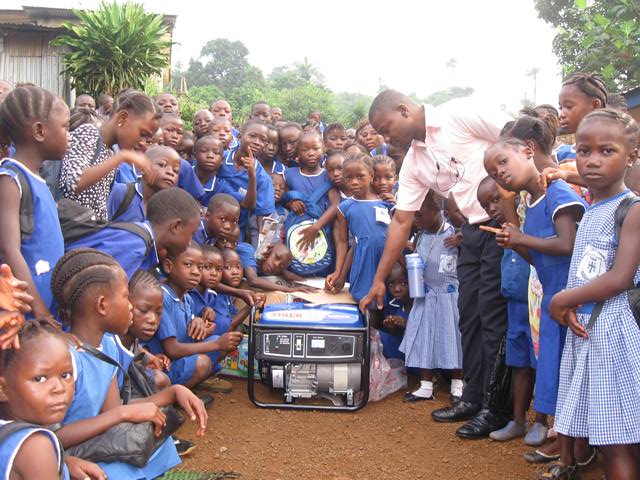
(202, 476)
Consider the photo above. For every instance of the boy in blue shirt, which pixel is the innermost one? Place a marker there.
(186, 339)
(122, 206)
(173, 217)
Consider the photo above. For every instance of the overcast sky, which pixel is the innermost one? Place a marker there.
(359, 45)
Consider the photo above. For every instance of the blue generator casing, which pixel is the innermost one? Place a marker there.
(311, 352)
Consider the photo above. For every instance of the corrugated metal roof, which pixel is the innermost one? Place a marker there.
(28, 26)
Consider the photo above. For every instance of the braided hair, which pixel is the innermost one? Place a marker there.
(142, 279)
(385, 160)
(528, 127)
(74, 273)
(22, 107)
(592, 85)
(136, 102)
(359, 158)
(29, 332)
(629, 126)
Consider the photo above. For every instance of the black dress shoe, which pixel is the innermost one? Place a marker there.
(457, 412)
(482, 425)
(411, 398)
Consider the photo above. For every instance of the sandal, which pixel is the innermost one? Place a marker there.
(589, 461)
(539, 457)
(557, 471)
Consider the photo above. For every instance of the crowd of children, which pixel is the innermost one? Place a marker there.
(129, 236)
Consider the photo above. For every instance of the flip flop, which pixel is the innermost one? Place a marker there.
(537, 457)
(589, 461)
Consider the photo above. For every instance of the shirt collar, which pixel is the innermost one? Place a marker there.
(432, 124)
(169, 291)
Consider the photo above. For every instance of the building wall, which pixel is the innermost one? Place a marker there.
(26, 56)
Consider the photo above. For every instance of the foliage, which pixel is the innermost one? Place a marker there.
(602, 36)
(115, 47)
(222, 63)
(443, 96)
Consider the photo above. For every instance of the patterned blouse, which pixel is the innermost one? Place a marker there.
(83, 153)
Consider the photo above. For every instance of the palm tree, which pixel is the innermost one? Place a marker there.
(452, 63)
(114, 48)
(534, 73)
(308, 72)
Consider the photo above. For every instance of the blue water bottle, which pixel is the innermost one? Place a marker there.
(415, 274)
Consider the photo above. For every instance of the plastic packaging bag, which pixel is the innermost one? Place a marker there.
(387, 375)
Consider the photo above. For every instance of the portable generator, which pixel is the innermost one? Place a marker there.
(310, 353)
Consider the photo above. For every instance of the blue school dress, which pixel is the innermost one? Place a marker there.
(12, 444)
(277, 167)
(432, 337)
(188, 181)
(202, 300)
(599, 394)
(515, 273)
(45, 246)
(202, 236)
(239, 180)
(368, 221)
(225, 311)
(135, 210)
(247, 255)
(127, 173)
(565, 153)
(176, 315)
(552, 271)
(217, 185)
(391, 341)
(129, 249)
(381, 150)
(92, 380)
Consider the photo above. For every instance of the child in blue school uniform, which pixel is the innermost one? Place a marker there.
(546, 241)
(188, 340)
(313, 204)
(43, 353)
(334, 167)
(432, 335)
(269, 157)
(173, 217)
(32, 248)
(334, 137)
(385, 178)
(204, 295)
(253, 140)
(91, 291)
(279, 189)
(127, 201)
(598, 397)
(396, 312)
(366, 218)
(222, 129)
(520, 355)
(208, 158)
(289, 134)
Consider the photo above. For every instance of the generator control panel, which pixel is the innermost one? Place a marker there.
(316, 346)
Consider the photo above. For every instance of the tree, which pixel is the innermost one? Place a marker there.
(602, 36)
(222, 63)
(308, 72)
(443, 96)
(114, 48)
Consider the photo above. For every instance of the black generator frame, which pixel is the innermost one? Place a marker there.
(365, 364)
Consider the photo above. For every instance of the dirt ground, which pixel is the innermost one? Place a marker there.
(385, 440)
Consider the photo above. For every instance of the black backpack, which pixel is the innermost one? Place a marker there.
(78, 221)
(12, 427)
(633, 293)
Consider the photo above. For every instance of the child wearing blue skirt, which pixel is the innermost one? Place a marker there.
(432, 336)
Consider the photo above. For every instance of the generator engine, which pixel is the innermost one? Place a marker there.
(312, 352)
